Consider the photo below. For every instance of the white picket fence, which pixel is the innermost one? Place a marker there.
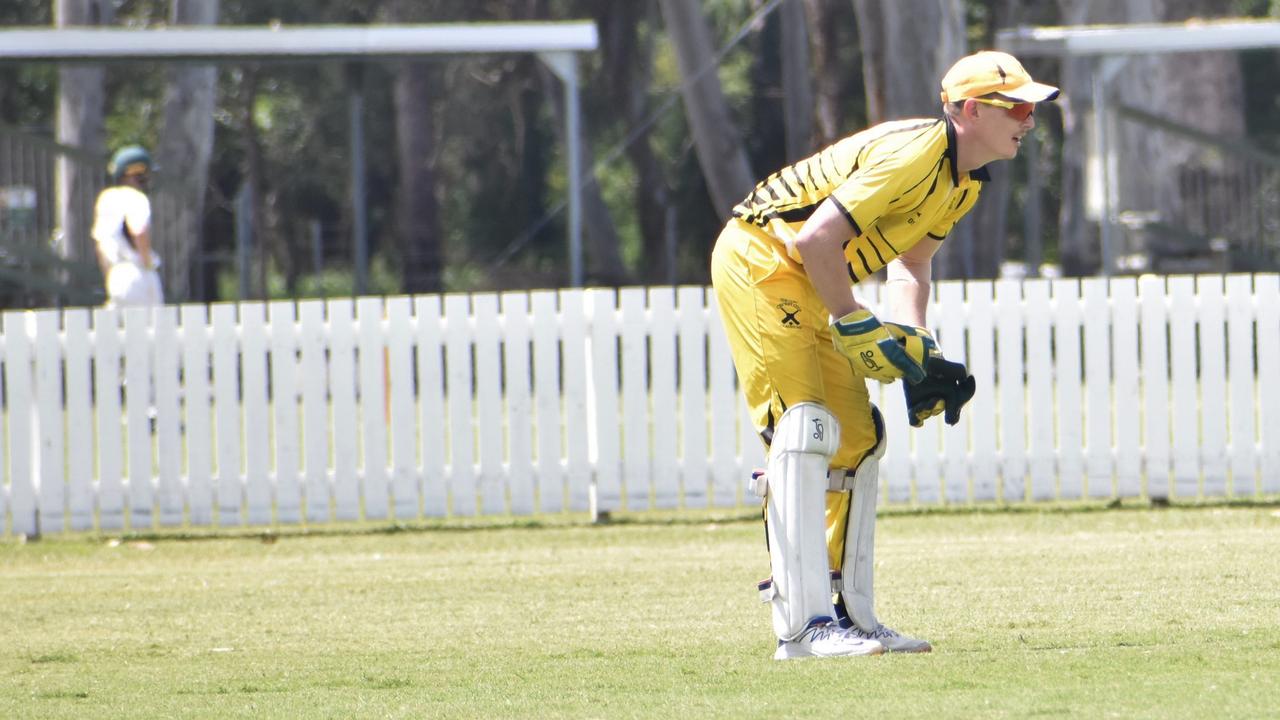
(545, 402)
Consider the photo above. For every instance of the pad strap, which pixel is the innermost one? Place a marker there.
(769, 592)
(838, 480)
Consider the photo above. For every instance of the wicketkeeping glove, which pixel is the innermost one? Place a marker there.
(871, 349)
(947, 386)
(917, 341)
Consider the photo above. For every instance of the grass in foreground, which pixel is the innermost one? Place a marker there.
(1127, 613)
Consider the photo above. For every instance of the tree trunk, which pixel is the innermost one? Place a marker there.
(907, 47)
(628, 61)
(797, 89)
(186, 145)
(715, 136)
(827, 71)
(255, 181)
(421, 241)
(418, 209)
(81, 105)
(976, 248)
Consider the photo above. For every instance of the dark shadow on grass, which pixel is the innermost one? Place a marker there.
(632, 519)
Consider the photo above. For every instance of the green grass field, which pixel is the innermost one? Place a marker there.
(1076, 613)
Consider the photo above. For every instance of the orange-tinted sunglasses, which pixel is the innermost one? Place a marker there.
(1017, 110)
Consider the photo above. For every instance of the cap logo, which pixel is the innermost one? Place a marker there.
(1000, 70)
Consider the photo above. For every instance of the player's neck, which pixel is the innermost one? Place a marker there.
(969, 154)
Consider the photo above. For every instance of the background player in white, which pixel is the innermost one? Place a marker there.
(122, 232)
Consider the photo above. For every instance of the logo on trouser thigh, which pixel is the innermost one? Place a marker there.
(790, 309)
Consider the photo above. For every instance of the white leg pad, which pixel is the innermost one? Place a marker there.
(804, 441)
(858, 574)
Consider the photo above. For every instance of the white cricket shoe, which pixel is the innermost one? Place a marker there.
(825, 638)
(891, 639)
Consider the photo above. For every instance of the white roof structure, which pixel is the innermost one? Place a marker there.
(1192, 36)
(292, 43)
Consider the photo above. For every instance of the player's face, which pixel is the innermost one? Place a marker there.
(139, 180)
(1002, 128)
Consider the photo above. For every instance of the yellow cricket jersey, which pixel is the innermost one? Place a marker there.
(895, 182)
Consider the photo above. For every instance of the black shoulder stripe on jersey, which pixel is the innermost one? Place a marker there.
(926, 128)
(797, 214)
(852, 275)
(782, 178)
(826, 179)
(808, 169)
(937, 173)
(933, 173)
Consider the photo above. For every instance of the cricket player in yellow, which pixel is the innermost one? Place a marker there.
(804, 347)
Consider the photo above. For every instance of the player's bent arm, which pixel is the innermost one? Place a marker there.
(103, 263)
(142, 241)
(948, 384)
(821, 247)
(908, 278)
(855, 331)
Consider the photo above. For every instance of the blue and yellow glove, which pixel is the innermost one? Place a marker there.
(917, 341)
(947, 384)
(872, 350)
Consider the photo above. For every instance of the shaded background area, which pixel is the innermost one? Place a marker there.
(464, 169)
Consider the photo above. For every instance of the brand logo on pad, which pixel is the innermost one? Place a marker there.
(789, 308)
(818, 429)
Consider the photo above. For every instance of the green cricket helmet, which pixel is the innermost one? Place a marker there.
(127, 161)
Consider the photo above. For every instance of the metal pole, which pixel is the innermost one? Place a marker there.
(244, 237)
(1033, 237)
(317, 247)
(565, 66)
(573, 132)
(359, 212)
(1104, 73)
(1100, 135)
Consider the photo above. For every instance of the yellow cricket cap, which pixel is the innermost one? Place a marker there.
(988, 72)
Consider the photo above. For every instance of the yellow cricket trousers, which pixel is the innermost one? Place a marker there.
(780, 338)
